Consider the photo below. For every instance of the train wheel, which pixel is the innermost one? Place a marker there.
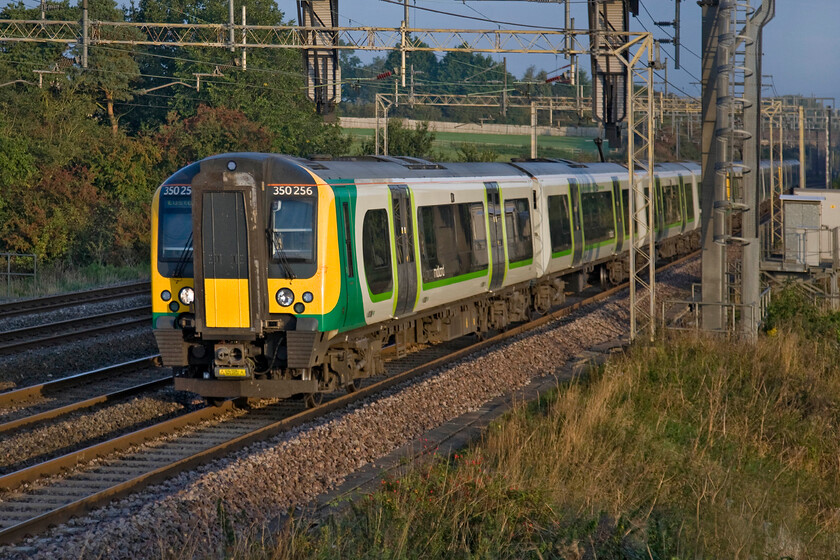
(353, 386)
(215, 401)
(313, 399)
(242, 402)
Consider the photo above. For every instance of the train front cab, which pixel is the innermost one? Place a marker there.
(172, 267)
(268, 277)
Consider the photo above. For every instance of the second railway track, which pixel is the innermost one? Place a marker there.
(45, 401)
(73, 329)
(47, 303)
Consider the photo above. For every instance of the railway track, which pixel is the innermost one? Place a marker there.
(73, 329)
(126, 465)
(46, 401)
(36, 305)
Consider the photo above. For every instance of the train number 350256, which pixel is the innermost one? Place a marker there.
(293, 191)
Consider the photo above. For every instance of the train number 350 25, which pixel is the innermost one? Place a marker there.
(177, 190)
(293, 191)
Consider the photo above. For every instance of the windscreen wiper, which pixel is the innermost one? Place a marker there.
(277, 246)
(184, 258)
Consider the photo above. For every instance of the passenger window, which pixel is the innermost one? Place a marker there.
(559, 224)
(518, 228)
(598, 220)
(453, 240)
(376, 248)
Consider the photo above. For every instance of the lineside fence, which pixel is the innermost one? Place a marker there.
(18, 265)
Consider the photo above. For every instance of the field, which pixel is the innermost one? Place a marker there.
(506, 146)
(690, 447)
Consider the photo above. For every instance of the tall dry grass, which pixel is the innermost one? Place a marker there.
(56, 278)
(693, 447)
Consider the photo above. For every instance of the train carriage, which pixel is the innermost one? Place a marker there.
(296, 273)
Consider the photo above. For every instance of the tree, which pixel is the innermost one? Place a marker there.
(111, 69)
(212, 130)
(403, 141)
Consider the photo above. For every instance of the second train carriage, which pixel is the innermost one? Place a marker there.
(293, 274)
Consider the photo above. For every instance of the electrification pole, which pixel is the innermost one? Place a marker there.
(751, 253)
(85, 35)
(802, 177)
(713, 254)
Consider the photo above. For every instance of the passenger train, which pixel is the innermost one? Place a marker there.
(274, 276)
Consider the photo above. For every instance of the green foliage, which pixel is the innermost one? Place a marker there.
(471, 152)
(791, 309)
(210, 131)
(404, 141)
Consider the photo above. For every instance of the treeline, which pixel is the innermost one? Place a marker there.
(81, 156)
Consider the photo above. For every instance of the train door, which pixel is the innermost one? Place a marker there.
(577, 226)
(349, 278)
(224, 241)
(620, 213)
(497, 247)
(404, 250)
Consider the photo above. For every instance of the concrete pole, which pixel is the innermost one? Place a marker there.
(827, 149)
(802, 178)
(772, 178)
(244, 38)
(85, 33)
(713, 254)
(677, 127)
(231, 24)
(751, 253)
(504, 86)
(404, 41)
(568, 27)
(533, 130)
(376, 125)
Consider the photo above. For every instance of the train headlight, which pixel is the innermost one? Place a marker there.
(285, 297)
(299, 307)
(173, 306)
(307, 297)
(165, 295)
(186, 295)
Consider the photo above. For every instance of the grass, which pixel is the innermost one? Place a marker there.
(505, 146)
(58, 277)
(691, 447)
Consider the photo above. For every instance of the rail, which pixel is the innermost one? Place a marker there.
(46, 303)
(30, 337)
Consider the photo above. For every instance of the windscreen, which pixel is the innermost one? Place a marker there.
(175, 243)
(292, 231)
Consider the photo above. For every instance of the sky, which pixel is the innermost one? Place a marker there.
(801, 44)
